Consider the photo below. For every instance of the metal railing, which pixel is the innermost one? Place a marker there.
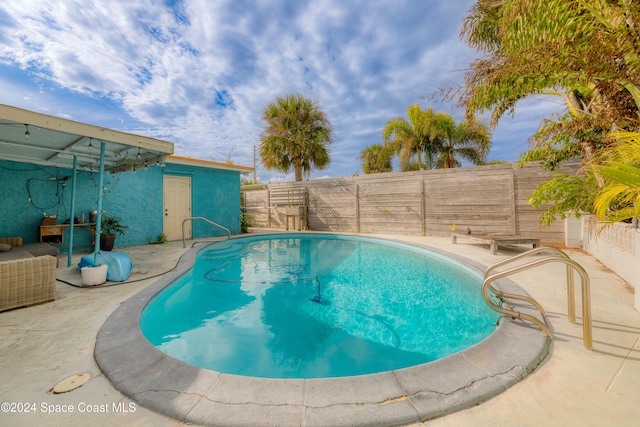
(557, 256)
(200, 218)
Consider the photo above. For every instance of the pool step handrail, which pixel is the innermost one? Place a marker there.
(201, 218)
(540, 250)
(556, 256)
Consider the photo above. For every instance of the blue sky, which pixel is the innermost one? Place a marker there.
(198, 73)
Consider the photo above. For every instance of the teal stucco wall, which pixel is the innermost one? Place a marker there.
(215, 195)
(29, 191)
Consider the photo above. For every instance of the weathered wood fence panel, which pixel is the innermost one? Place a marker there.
(477, 198)
(527, 217)
(490, 199)
(257, 205)
(332, 205)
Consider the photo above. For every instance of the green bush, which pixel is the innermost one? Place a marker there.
(245, 221)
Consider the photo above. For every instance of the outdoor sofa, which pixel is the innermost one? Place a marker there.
(27, 273)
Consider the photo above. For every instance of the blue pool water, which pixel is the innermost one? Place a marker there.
(310, 306)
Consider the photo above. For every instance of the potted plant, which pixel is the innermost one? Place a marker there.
(93, 275)
(109, 228)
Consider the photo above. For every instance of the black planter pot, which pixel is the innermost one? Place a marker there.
(107, 242)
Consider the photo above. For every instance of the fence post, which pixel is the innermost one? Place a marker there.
(268, 207)
(357, 208)
(514, 202)
(422, 209)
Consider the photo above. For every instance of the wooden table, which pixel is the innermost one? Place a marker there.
(493, 240)
(55, 233)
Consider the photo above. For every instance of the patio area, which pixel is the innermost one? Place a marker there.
(45, 344)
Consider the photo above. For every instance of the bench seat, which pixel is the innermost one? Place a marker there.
(493, 240)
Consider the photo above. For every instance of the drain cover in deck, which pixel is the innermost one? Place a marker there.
(71, 383)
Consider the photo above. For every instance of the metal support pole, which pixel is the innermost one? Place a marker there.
(73, 210)
(100, 191)
(571, 296)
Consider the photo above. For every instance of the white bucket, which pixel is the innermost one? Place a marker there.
(92, 276)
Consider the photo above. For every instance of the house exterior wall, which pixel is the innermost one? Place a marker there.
(215, 196)
(29, 191)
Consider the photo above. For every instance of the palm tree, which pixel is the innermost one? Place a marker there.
(249, 181)
(376, 158)
(412, 137)
(296, 136)
(468, 140)
(619, 198)
(560, 47)
(585, 51)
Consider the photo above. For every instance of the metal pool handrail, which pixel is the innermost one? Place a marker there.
(200, 218)
(561, 257)
(553, 251)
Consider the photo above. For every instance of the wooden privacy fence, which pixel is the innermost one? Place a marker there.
(487, 199)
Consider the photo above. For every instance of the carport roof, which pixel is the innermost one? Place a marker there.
(30, 137)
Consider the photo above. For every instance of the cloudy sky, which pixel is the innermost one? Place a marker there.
(199, 72)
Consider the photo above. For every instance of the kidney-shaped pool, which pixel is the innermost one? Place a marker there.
(311, 306)
(315, 329)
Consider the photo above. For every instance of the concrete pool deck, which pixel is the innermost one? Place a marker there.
(45, 344)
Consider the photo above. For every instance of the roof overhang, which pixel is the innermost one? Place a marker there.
(30, 137)
(188, 161)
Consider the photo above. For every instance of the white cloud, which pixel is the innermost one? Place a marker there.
(198, 73)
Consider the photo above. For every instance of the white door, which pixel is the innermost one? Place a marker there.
(177, 206)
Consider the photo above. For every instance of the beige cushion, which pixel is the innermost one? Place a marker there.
(40, 249)
(4, 247)
(15, 253)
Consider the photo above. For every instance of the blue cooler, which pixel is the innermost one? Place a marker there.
(118, 264)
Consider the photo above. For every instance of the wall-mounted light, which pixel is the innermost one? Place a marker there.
(90, 145)
(27, 135)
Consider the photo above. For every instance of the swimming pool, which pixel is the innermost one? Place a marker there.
(398, 397)
(313, 306)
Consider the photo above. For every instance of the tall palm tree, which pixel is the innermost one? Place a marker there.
(296, 136)
(376, 158)
(468, 140)
(410, 138)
